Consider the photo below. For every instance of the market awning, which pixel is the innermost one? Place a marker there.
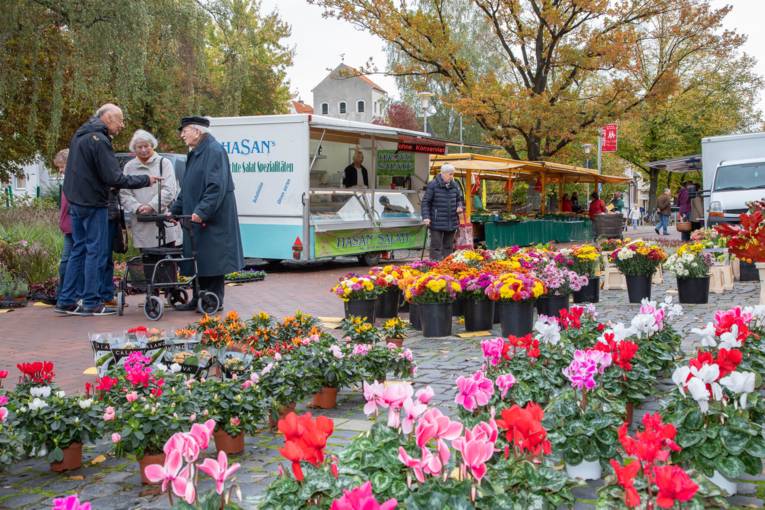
(469, 164)
(680, 164)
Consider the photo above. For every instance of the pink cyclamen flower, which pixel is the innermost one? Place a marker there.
(132, 396)
(373, 395)
(424, 395)
(202, 432)
(116, 438)
(492, 350)
(109, 414)
(219, 470)
(504, 383)
(474, 391)
(585, 365)
(411, 410)
(436, 425)
(3, 400)
(393, 397)
(361, 498)
(172, 473)
(428, 464)
(185, 444)
(475, 453)
(71, 502)
(3, 414)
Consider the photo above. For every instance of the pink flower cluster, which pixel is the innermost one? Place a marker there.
(649, 308)
(504, 383)
(585, 365)
(474, 391)
(559, 279)
(361, 498)
(403, 404)
(492, 350)
(433, 426)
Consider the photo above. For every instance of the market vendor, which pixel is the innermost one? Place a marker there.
(352, 171)
(207, 194)
(597, 206)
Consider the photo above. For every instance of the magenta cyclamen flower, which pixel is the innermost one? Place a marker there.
(361, 498)
(504, 383)
(585, 365)
(492, 350)
(474, 391)
(70, 503)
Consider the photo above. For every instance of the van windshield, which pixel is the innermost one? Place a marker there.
(740, 177)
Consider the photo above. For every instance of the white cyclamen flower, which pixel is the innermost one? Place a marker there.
(40, 391)
(37, 404)
(758, 314)
(707, 335)
(621, 332)
(729, 340)
(644, 325)
(548, 330)
(175, 368)
(679, 376)
(739, 382)
(85, 404)
(60, 394)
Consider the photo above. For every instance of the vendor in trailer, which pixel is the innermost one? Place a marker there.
(352, 171)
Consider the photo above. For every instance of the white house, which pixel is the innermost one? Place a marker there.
(345, 94)
(35, 174)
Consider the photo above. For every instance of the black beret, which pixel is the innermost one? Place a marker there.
(194, 119)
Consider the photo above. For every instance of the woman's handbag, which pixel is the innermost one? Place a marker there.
(683, 225)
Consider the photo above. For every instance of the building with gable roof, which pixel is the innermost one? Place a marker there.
(347, 94)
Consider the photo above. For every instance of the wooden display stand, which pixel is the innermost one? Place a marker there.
(720, 278)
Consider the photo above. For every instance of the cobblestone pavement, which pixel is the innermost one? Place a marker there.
(115, 484)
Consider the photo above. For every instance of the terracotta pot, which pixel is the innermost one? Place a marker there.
(325, 399)
(72, 459)
(227, 443)
(155, 458)
(399, 342)
(630, 412)
(284, 411)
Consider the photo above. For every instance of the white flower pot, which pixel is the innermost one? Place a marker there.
(586, 470)
(726, 485)
(761, 269)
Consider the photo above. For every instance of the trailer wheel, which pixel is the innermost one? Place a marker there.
(370, 259)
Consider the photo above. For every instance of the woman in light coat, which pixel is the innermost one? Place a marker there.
(146, 200)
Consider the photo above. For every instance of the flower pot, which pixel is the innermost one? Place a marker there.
(590, 293)
(72, 459)
(146, 460)
(398, 342)
(748, 272)
(458, 306)
(227, 443)
(585, 470)
(479, 314)
(693, 290)
(729, 486)
(386, 306)
(404, 307)
(415, 319)
(497, 318)
(326, 398)
(436, 319)
(761, 269)
(552, 305)
(638, 288)
(361, 308)
(516, 317)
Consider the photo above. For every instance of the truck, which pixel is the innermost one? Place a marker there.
(734, 174)
(291, 194)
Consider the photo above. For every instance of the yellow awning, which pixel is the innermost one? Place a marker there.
(474, 164)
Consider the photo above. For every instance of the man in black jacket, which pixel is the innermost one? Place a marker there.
(352, 171)
(442, 202)
(91, 170)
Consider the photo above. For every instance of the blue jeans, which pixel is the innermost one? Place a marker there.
(68, 242)
(663, 223)
(107, 284)
(86, 260)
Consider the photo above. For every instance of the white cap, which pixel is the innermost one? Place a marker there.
(447, 168)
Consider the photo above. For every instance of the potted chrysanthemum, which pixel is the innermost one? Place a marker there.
(478, 308)
(691, 264)
(638, 262)
(359, 293)
(586, 263)
(435, 294)
(514, 294)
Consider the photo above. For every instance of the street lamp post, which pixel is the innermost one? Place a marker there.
(424, 98)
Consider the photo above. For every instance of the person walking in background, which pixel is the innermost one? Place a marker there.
(207, 195)
(635, 216)
(147, 200)
(697, 207)
(64, 222)
(597, 206)
(684, 207)
(664, 206)
(441, 205)
(91, 170)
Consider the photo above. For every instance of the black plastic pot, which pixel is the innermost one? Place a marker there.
(387, 304)
(693, 290)
(590, 293)
(479, 314)
(552, 305)
(361, 308)
(516, 317)
(458, 307)
(436, 319)
(404, 306)
(415, 319)
(497, 318)
(748, 272)
(638, 288)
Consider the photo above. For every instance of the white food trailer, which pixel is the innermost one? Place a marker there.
(288, 172)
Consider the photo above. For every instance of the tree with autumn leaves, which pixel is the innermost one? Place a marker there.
(559, 69)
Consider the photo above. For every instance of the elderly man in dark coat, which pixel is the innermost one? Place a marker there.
(207, 194)
(442, 203)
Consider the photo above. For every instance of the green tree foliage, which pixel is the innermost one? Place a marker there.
(158, 59)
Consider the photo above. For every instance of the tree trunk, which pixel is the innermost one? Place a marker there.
(652, 189)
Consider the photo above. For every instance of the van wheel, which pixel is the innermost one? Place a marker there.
(369, 259)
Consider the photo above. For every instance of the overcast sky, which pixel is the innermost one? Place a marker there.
(319, 42)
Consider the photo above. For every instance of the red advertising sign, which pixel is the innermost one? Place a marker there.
(411, 144)
(609, 141)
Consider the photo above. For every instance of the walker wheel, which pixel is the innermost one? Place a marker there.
(208, 302)
(178, 297)
(153, 308)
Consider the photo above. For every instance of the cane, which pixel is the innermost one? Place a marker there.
(425, 242)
